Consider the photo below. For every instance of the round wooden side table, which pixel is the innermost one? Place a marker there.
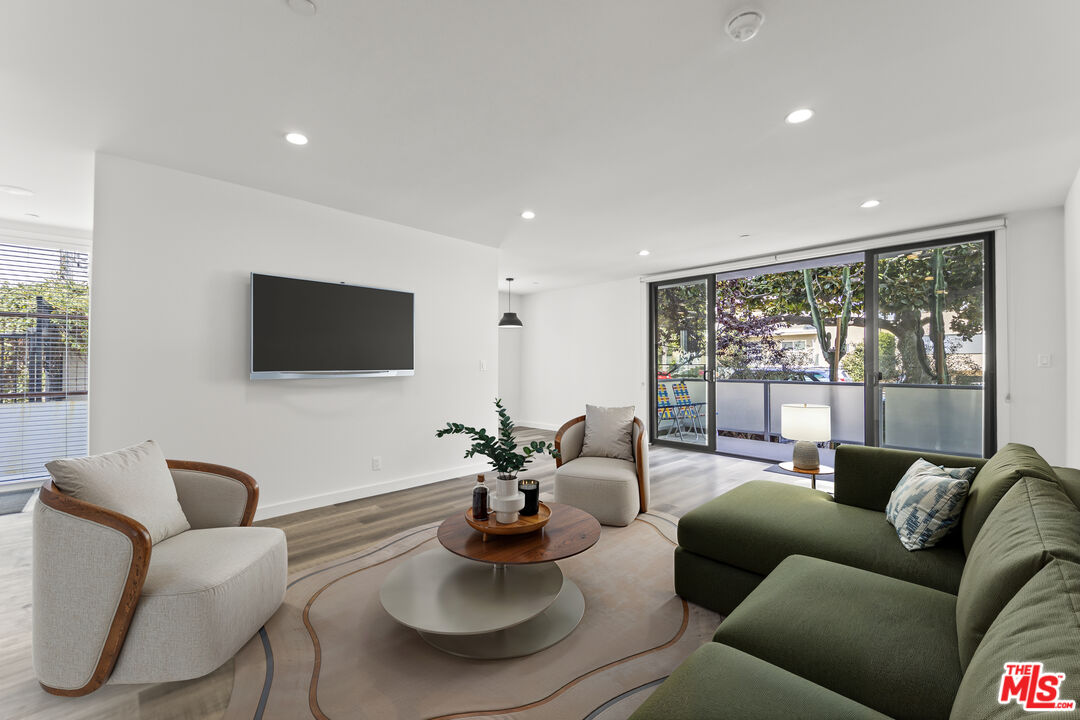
(822, 470)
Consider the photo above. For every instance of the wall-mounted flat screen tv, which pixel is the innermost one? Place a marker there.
(306, 328)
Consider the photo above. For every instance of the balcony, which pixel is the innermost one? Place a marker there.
(934, 418)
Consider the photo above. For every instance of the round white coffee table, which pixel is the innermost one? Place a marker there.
(501, 598)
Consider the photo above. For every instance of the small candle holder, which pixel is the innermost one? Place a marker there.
(531, 490)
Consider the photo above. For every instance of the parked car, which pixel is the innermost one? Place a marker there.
(810, 374)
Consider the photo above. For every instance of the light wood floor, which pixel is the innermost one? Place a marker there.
(680, 480)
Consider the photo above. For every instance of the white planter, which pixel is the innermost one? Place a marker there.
(508, 500)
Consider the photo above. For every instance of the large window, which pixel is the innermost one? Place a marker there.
(898, 342)
(44, 323)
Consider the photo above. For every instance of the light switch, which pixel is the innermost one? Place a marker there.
(1044, 360)
(483, 366)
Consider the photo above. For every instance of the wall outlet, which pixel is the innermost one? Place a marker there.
(376, 462)
(1044, 360)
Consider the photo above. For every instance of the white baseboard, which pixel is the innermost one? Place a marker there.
(332, 498)
(538, 425)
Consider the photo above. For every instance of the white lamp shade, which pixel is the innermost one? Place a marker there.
(812, 423)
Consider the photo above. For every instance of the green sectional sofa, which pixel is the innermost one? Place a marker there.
(828, 616)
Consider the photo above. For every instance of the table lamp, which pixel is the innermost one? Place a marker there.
(807, 425)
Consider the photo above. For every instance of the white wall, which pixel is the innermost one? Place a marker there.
(587, 344)
(1072, 317)
(1033, 262)
(169, 348)
(582, 345)
(510, 340)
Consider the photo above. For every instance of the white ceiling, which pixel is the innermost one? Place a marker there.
(625, 124)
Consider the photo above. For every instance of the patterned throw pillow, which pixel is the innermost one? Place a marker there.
(927, 503)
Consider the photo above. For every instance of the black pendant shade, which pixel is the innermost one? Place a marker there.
(509, 319)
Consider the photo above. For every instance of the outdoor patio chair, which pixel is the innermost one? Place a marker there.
(687, 408)
(665, 410)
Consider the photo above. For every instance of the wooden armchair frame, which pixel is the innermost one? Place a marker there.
(52, 497)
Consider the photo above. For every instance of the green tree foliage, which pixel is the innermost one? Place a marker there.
(917, 291)
(854, 361)
(66, 299)
(751, 309)
(681, 322)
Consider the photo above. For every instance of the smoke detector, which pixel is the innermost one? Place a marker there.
(303, 7)
(745, 25)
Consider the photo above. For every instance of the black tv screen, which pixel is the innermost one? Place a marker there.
(306, 328)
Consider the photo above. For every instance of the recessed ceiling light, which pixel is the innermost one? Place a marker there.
(296, 138)
(745, 235)
(16, 191)
(643, 253)
(527, 214)
(32, 215)
(303, 7)
(870, 204)
(799, 116)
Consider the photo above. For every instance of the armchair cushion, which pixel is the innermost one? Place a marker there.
(604, 487)
(134, 482)
(207, 592)
(608, 432)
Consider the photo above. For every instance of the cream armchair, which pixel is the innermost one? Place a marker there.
(111, 607)
(613, 491)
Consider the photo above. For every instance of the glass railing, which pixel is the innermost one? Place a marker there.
(941, 418)
(938, 418)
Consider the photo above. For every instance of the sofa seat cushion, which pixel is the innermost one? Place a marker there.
(1041, 624)
(718, 681)
(206, 593)
(883, 642)
(994, 479)
(1033, 523)
(758, 524)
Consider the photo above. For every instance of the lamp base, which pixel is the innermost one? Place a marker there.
(805, 456)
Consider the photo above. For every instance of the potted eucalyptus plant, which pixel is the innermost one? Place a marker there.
(502, 452)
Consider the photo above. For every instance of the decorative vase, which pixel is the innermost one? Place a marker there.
(508, 499)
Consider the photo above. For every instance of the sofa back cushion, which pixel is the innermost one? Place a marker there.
(134, 481)
(1069, 480)
(1041, 624)
(1033, 524)
(1000, 473)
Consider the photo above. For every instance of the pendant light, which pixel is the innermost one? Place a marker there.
(509, 319)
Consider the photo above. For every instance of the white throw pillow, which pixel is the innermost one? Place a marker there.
(927, 503)
(609, 432)
(134, 481)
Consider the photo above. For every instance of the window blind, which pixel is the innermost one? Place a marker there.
(44, 335)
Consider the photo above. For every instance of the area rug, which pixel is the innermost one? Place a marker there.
(331, 651)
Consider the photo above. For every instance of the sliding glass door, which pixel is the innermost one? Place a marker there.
(934, 353)
(682, 322)
(729, 350)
